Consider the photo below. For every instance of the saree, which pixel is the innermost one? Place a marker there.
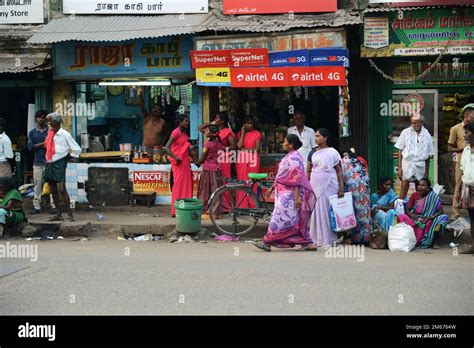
(182, 176)
(247, 162)
(384, 219)
(425, 229)
(226, 165)
(288, 225)
(324, 183)
(356, 181)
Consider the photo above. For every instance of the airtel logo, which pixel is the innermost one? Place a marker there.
(240, 77)
(295, 77)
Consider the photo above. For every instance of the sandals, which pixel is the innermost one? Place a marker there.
(263, 246)
(56, 218)
(307, 248)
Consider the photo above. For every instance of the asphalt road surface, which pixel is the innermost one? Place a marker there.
(105, 276)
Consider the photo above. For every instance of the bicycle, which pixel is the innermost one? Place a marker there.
(239, 219)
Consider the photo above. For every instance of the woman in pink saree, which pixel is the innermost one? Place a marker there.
(248, 160)
(294, 202)
(325, 172)
(229, 145)
(178, 150)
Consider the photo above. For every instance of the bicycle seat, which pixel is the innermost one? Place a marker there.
(258, 176)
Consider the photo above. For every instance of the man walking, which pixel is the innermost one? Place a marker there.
(36, 139)
(456, 145)
(6, 151)
(305, 134)
(415, 149)
(60, 147)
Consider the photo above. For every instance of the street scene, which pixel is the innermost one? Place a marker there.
(236, 157)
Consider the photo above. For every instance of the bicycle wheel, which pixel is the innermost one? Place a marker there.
(239, 220)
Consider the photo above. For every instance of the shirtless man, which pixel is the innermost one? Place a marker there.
(154, 127)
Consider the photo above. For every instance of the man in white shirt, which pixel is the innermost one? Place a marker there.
(305, 134)
(6, 152)
(60, 147)
(415, 147)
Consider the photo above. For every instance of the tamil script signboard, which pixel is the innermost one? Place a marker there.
(421, 32)
(168, 55)
(111, 7)
(248, 7)
(21, 12)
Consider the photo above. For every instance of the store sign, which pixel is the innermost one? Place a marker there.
(246, 7)
(317, 76)
(376, 32)
(213, 77)
(289, 58)
(21, 12)
(329, 57)
(248, 57)
(275, 42)
(426, 32)
(158, 181)
(148, 7)
(398, 3)
(168, 55)
(289, 76)
(209, 59)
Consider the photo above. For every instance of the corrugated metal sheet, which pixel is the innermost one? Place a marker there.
(15, 65)
(391, 9)
(121, 28)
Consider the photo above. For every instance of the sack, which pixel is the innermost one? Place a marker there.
(399, 206)
(401, 237)
(378, 238)
(46, 190)
(342, 217)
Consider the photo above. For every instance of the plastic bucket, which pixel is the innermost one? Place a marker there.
(188, 215)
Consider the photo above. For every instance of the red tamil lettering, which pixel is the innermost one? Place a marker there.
(79, 57)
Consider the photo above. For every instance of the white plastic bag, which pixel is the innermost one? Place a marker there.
(399, 206)
(342, 215)
(401, 237)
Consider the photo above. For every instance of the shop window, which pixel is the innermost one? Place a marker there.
(91, 100)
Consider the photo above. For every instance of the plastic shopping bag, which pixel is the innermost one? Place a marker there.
(342, 215)
(46, 190)
(401, 237)
(399, 206)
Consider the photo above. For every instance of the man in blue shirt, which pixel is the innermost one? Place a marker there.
(36, 139)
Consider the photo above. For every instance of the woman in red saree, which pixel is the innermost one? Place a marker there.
(294, 202)
(248, 160)
(228, 141)
(178, 150)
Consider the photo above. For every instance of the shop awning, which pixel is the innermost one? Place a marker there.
(121, 28)
(18, 64)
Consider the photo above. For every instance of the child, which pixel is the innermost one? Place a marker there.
(210, 167)
(11, 209)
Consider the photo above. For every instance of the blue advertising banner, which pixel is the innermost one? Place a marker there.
(329, 57)
(167, 56)
(289, 58)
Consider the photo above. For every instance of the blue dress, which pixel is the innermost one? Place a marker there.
(384, 219)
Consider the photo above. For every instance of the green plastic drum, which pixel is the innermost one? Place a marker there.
(188, 215)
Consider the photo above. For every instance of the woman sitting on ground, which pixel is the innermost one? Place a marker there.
(11, 210)
(382, 204)
(424, 213)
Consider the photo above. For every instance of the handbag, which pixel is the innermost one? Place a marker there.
(378, 237)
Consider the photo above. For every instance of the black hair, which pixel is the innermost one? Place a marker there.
(180, 117)
(300, 113)
(213, 128)
(159, 106)
(224, 117)
(294, 140)
(40, 113)
(426, 180)
(382, 181)
(251, 120)
(469, 127)
(8, 183)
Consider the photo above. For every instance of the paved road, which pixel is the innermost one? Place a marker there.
(160, 278)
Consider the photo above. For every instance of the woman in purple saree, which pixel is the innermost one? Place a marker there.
(294, 202)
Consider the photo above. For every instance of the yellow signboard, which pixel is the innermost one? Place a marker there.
(213, 76)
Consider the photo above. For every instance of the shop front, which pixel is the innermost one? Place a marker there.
(270, 78)
(104, 88)
(425, 58)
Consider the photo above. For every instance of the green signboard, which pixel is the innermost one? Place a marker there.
(419, 33)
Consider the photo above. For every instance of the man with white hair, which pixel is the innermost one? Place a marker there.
(415, 147)
(60, 147)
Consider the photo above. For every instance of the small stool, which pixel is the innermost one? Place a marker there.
(26, 175)
(146, 197)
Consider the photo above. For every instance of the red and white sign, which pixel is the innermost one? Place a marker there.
(211, 59)
(317, 76)
(247, 7)
(258, 77)
(249, 57)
